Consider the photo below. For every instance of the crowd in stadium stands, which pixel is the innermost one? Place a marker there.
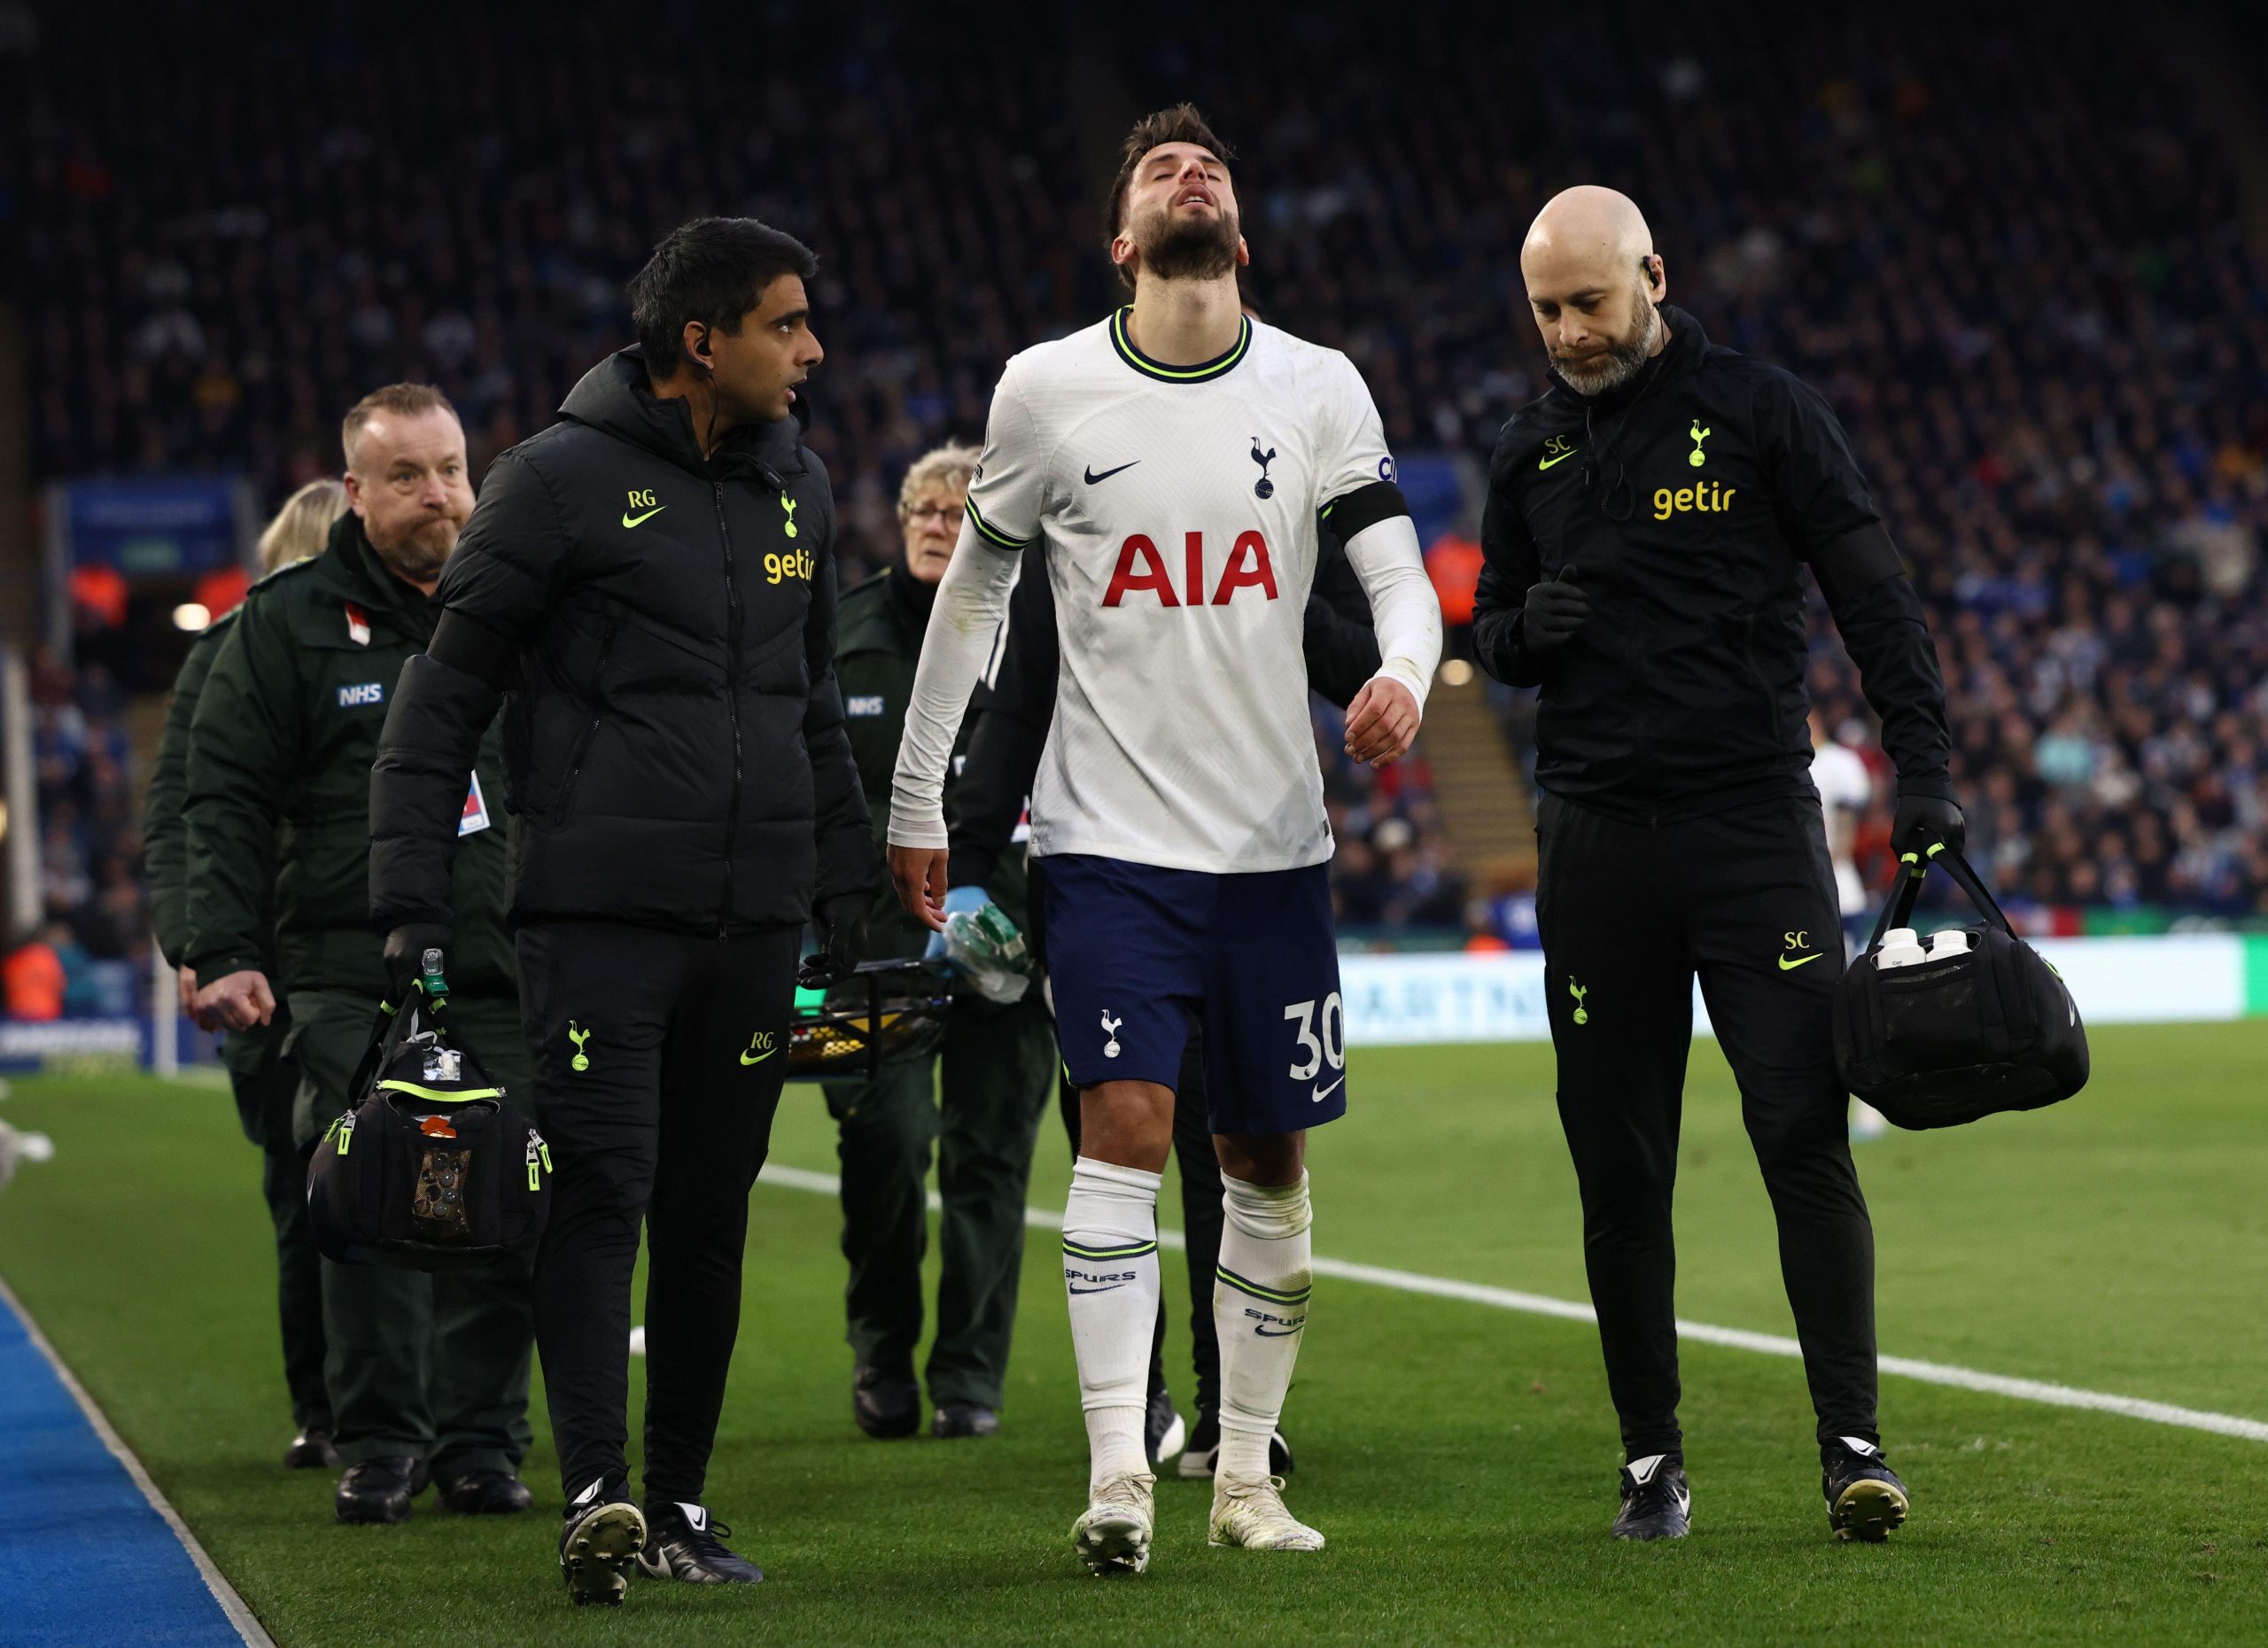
(2035, 314)
(87, 956)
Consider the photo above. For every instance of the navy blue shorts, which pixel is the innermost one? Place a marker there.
(1133, 950)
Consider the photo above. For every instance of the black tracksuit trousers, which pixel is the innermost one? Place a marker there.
(659, 1062)
(1629, 913)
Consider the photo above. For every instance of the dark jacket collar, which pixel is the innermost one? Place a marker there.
(1688, 343)
(910, 602)
(349, 568)
(617, 396)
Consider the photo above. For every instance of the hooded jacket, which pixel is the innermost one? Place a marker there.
(660, 627)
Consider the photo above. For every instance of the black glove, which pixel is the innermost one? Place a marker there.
(1924, 820)
(1554, 611)
(842, 923)
(405, 957)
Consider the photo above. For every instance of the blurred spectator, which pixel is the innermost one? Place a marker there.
(34, 977)
(1453, 563)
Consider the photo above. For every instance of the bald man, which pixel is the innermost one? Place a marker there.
(1646, 523)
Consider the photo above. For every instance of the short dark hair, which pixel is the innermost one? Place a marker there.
(713, 270)
(1181, 123)
(401, 399)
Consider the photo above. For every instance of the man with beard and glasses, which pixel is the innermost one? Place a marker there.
(427, 1375)
(1174, 460)
(1646, 523)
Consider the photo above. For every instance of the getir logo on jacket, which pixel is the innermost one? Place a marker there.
(1706, 499)
(1141, 568)
(795, 564)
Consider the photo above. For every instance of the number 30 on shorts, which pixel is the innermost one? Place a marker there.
(1314, 1049)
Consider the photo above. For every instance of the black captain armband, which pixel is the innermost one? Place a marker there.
(1366, 506)
(1856, 562)
(470, 647)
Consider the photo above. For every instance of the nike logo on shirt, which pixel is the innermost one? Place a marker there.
(629, 519)
(1093, 478)
(1322, 1093)
(1787, 966)
(1545, 463)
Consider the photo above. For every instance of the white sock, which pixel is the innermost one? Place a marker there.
(1260, 1307)
(1110, 1270)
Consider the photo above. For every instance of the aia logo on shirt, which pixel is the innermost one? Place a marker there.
(1141, 568)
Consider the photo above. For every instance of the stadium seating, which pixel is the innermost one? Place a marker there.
(2001, 297)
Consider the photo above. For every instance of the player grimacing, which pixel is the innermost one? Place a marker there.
(1176, 458)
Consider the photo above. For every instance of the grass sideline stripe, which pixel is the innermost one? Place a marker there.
(232, 1606)
(1701, 1332)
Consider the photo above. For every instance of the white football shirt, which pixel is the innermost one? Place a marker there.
(1179, 507)
(1841, 776)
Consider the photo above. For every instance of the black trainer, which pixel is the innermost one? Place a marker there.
(484, 1493)
(687, 1545)
(884, 1405)
(379, 1491)
(1656, 1503)
(1162, 1427)
(600, 1543)
(964, 1418)
(1865, 1499)
(311, 1450)
(1202, 1452)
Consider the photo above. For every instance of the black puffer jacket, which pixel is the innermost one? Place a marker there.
(663, 627)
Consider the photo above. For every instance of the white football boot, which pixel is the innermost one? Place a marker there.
(1113, 1537)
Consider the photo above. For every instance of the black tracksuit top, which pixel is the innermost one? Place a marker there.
(1686, 500)
(663, 627)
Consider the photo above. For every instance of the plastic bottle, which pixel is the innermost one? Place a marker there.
(990, 951)
(1953, 941)
(1900, 947)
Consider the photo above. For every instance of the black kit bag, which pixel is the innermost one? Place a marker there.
(1947, 1040)
(433, 1168)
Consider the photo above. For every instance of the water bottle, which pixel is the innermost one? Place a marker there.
(1953, 941)
(1900, 947)
(990, 951)
(436, 987)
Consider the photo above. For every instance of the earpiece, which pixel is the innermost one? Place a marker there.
(1651, 269)
(700, 352)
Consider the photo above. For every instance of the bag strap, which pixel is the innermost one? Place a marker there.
(392, 1026)
(1913, 868)
(1969, 880)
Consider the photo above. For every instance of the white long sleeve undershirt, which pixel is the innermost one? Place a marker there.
(1404, 608)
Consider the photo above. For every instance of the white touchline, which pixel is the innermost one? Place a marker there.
(1701, 1332)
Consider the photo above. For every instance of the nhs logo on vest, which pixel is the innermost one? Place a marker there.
(365, 692)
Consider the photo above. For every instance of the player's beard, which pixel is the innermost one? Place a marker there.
(1190, 249)
(1621, 362)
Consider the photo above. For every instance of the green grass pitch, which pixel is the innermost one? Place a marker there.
(1461, 1459)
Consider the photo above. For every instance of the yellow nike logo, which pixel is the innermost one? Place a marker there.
(758, 1058)
(1545, 463)
(1787, 966)
(629, 519)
